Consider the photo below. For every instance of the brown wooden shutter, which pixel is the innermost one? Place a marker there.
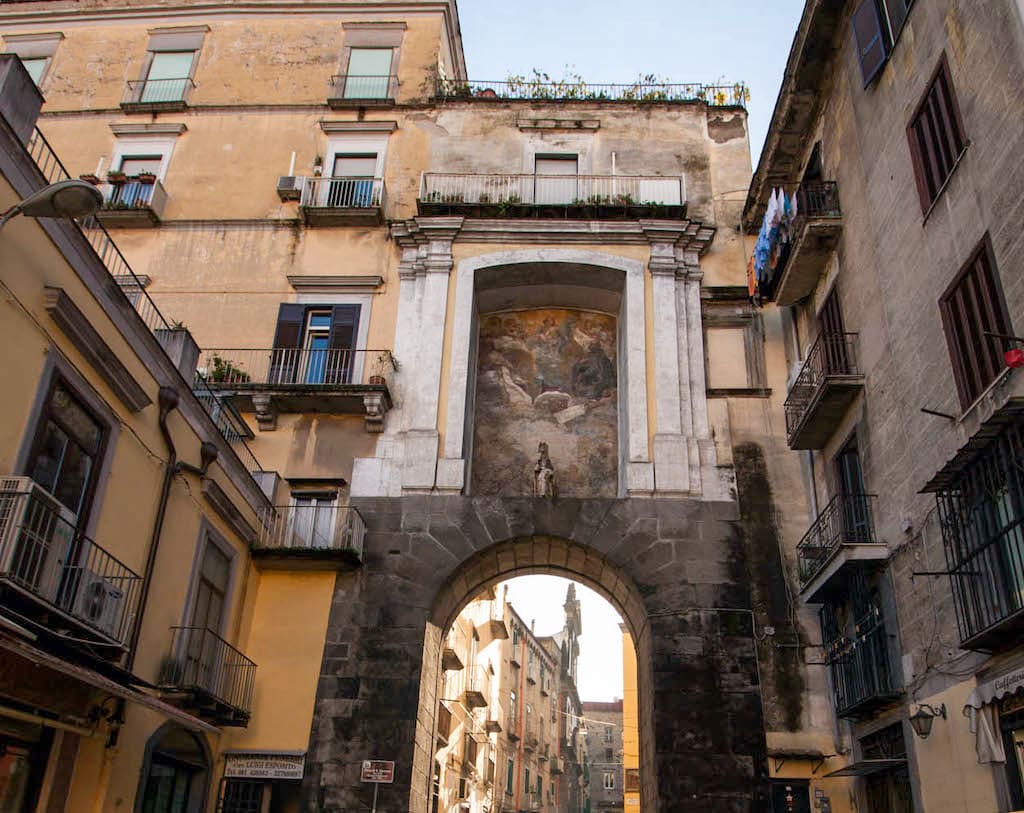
(897, 11)
(284, 358)
(867, 31)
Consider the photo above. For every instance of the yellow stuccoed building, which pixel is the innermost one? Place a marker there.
(441, 332)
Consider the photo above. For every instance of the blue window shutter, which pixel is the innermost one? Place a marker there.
(868, 34)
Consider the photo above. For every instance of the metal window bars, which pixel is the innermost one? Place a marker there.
(736, 94)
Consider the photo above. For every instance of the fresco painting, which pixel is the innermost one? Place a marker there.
(546, 376)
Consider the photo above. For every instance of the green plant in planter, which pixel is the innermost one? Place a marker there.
(483, 198)
(221, 371)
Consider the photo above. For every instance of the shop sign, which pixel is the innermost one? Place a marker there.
(264, 766)
(378, 770)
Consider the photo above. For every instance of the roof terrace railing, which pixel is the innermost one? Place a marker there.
(723, 95)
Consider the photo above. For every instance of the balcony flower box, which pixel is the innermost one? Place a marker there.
(147, 178)
(116, 178)
(90, 178)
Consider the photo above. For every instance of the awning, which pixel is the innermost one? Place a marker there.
(105, 684)
(1010, 413)
(983, 715)
(866, 767)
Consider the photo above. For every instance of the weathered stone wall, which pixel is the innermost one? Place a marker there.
(675, 569)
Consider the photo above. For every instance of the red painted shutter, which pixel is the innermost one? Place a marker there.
(344, 324)
(284, 358)
(867, 31)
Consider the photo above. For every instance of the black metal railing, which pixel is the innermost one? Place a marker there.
(231, 425)
(201, 662)
(157, 91)
(539, 90)
(832, 354)
(848, 519)
(818, 199)
(860, 669)
(44, 554)
(313, 527)
(349, 87)
(981, 511)
(293, 366)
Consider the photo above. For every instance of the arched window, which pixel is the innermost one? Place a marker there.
(176, 772)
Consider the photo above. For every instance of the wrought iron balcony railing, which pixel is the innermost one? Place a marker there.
(349, 88)
(537, 90)
(134, 194)
(231, 425)
(248, 368)
(861, 675)
(980, 511)
(832, 355)
(818, 199)
(157, 94)
(511, 190)
(847, 520)
(348, 192)
(44, 556)
(476, 686)
(219, 678)
(324, 527)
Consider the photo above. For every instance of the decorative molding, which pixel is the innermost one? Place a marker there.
(358, 126)
(151, 128)
(559, 124)
(90, 344)
(14, 39)
(227, 510)
(179, 29)
(364, 24)
(377, 405)
(365, 283)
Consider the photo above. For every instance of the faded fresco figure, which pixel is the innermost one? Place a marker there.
(547, 373)
(543, 474)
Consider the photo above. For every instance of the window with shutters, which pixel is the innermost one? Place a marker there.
(972, 308)
(315, 344)
(936, 137)
(877, 25)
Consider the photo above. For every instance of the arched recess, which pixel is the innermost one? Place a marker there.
(544, 277)
(175, 760)
(523, 556)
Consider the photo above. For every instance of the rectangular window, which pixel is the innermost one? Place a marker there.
(369, 73)
(314, 344)
(36, 51)
(609, 780)
(35, 66)
(67, 450)
(972, 307)
(607, 733)
(313, 518)
(510, 775)
(526, 783)
(936, 136)
(876, 27)
(212, 588)
(168, 77)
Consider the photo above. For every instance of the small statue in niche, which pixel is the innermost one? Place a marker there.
(543, 474)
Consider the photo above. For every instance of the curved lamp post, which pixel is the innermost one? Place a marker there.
(69, 199)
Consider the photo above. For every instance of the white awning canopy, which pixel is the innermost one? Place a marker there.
(982, 714)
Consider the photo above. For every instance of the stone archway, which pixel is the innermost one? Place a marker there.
(674, 568)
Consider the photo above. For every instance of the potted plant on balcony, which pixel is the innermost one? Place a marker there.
(115, 176)
(90, 177)
(383, 361)
(147, 178)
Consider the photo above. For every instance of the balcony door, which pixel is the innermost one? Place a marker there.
(168, 76)
(133, 193)
(203, 648)
(369, 73)
(851, 490)
(313, 519)
(832, 334)
(556, 179)
(352, 180)
(314, 344)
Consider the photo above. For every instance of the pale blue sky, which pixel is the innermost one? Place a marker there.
(609, 41)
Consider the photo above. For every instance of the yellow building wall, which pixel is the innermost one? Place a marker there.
(630, 719)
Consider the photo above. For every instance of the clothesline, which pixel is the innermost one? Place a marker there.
(772, 240)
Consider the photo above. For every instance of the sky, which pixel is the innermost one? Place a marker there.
(541, 598)
(607, 41)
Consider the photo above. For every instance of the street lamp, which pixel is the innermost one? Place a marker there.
(922, 719)
(62, 199)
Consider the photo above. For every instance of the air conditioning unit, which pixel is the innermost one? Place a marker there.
(36, 532)
(289, 187)
(100, 603)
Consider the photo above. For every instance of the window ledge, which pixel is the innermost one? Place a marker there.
(945, 184)
(988, 396)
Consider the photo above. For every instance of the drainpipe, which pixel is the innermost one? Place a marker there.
(167, 402)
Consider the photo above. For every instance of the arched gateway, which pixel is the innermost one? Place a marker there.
(673, 568)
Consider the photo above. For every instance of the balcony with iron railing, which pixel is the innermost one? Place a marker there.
(132, 203)
(455, 649)
(205, 674)
(234, 431)
(319, 535)
(342, 200)
(842, 537)
(53, 573)
(272, 381)
(157, 95)
(980, 494)
(476, 687)
(530, 739)
(862, 679)
(815, 234)
(536, 89)
(556, 765)
(827, 384)
(591, 197)
(350, 90)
